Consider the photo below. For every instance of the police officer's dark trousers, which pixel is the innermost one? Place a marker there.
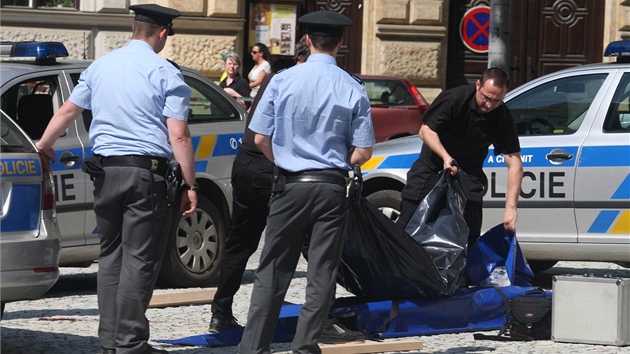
(251, 189)
(132, 218)
(302, 209)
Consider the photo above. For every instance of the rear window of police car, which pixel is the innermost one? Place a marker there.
(12, 140)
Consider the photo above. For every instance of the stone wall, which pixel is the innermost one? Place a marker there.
(617, 22)
(407, 38)
(74, 40)
(208, 29)
(201, 52)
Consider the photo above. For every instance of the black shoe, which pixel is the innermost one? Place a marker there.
(106, 351)
(219, 324)
(334, 333)
(152, 350)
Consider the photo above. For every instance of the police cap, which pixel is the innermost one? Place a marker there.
(325, 23)
(156, 14)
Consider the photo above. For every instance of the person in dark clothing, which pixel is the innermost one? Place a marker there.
(251, 189)
(458, 128)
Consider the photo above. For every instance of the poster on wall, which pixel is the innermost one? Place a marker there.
(274, 26)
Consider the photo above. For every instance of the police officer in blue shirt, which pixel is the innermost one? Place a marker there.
(313, 121)
(140, 106)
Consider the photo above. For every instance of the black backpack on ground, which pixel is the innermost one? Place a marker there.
(528, 317)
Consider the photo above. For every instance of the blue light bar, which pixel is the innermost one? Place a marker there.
(39, 50)
(618, 49)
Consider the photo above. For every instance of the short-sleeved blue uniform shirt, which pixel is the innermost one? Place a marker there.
(131, 91)
(315, 112)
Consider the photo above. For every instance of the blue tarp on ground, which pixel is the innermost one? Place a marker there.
(469, 309)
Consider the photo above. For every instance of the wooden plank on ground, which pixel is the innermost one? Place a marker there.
(199, 297)
(371, 347)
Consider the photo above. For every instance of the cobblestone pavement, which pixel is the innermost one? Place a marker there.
(65, 321)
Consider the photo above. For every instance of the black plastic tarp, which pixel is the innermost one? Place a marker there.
(381, 261)
(439, 226)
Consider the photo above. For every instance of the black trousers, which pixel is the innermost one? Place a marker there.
(133, 220)
(301, 210)
(251, 189)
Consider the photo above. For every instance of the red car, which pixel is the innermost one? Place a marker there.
(397, 106)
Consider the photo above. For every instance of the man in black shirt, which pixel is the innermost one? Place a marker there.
(458, 128)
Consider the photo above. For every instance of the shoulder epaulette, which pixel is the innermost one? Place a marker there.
(355, 78)
(174, 64)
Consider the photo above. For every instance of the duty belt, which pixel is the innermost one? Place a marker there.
(157, 165)
(317, 176)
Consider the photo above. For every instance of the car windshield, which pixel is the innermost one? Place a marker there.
(11, 139)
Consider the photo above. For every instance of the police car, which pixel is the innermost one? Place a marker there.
(29, 242)
(574, 128)
(35, 81)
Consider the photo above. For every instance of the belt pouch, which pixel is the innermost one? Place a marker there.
(278, 181)
(173, 183)
(92, 166)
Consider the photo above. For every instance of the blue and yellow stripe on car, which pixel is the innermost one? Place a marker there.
(611, 222)
(214, 145)
(392, 161)
(614, 221)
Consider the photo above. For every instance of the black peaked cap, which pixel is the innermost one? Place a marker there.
(156, 14)
(325, 23)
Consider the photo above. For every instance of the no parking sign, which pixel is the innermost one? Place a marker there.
(474, 29)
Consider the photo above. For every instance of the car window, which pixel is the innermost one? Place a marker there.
(31, 103)
(208, 105)
(11, 139)
(556, 107)
(387, 92)
(618, 116)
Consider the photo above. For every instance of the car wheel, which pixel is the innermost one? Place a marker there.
(387, 201)
(193, 254)
(541, 266)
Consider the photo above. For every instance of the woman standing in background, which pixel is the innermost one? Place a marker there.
(233, 83)
(261, 56)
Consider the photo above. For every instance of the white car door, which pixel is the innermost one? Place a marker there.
(553, 117)
(602, 184)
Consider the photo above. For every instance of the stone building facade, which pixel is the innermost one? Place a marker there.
(400, 37)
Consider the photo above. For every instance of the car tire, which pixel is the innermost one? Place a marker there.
(387, 201)
(541, 266)
(193, 253)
